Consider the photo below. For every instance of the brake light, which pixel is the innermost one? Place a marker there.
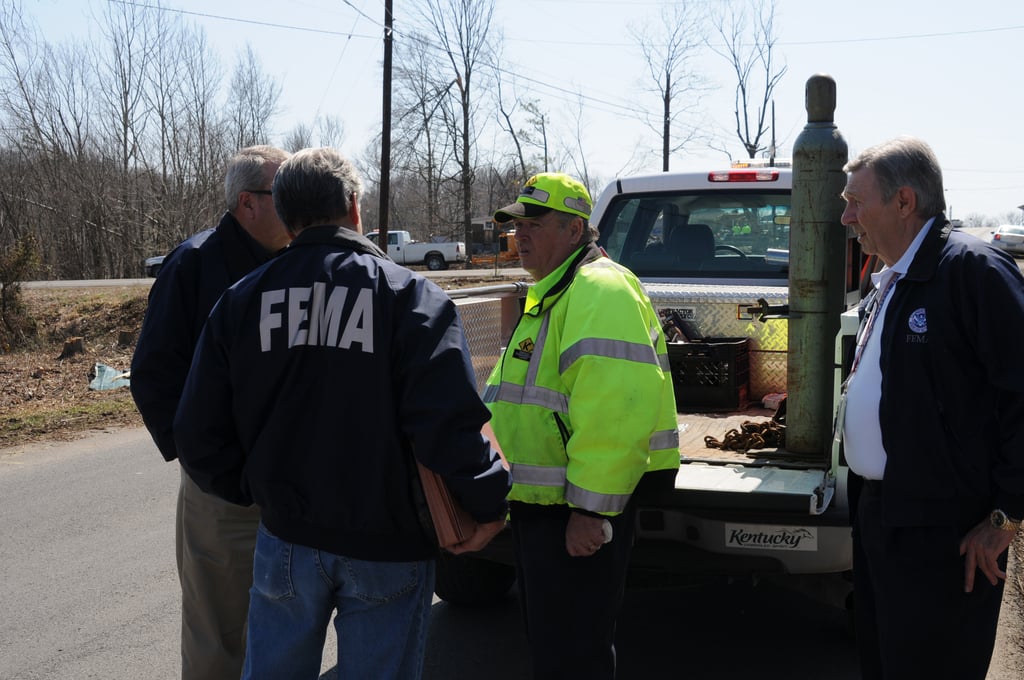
(997, 238)
(765, 175)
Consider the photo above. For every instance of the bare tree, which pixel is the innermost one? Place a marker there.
(46, 92)
(254, 101)
(463, 28)
(122, 64)
(326, 131)
(187, 134)
(576, 155)
(19, 61)
(109, 147)
(330, 131)
(747, 30)
(50, 166)
(537, 133)
(204, 130)
(423, 140)
(506, 109)
(533, 135)
(368, 164)
(669, 57)
(299, 137)
(70, 101)
(1009, 217)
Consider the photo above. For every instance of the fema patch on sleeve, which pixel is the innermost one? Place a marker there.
(918, 321)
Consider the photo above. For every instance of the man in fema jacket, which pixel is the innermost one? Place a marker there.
(934, 424)
(318, 382)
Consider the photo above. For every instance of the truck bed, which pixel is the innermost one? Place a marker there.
(694, 427)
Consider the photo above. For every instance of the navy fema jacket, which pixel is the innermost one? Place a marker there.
(191, 280)
(952, 405)
(316, 379)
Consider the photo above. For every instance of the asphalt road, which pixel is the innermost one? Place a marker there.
(90, 590)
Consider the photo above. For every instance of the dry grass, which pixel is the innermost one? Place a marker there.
(44, 396)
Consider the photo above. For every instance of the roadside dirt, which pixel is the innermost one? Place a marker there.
(1008, 660)
(46, 397)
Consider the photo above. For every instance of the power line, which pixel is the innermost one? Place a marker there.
(911, 36)
(364, 14)
(337, 64)
(616, 107)
(794, 43)
(254, 22)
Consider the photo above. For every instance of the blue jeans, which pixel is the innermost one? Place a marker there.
(383, 609)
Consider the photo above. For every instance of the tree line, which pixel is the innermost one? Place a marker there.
(114, 150)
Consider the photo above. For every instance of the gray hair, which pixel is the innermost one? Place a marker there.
(247, 170)
(589, 233)
(315, 186)
(905, 162)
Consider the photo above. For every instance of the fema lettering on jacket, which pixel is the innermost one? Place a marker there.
(317, 316)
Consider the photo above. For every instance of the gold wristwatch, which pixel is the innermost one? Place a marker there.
(1000, 520)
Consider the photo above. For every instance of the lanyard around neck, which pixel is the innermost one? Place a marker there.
(874, 310)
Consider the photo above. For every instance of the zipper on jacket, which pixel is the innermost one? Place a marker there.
(562, 430)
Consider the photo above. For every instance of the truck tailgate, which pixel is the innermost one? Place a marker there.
(770, 479)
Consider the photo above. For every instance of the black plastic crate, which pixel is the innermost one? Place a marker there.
(710, 375)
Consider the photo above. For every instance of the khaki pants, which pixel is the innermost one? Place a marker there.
(215, 541)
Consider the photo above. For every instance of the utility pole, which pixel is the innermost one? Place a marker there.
(667, 121)
(385, 135)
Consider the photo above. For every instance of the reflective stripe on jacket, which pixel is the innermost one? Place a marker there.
(582, 401)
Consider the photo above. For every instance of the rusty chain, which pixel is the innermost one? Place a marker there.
(751, 435)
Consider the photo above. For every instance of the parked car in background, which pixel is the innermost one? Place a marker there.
(403, 249)
(1009, 237)
(153, 265)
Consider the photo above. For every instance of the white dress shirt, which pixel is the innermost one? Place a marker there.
(862, 432)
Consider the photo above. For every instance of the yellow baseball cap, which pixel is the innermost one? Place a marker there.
(548, 191)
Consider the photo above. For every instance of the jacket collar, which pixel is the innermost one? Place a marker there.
(242, 253)
(546, 292)
(927, 259)
(332, 234)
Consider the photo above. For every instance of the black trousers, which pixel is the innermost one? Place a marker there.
(913, 618)
(569, 604)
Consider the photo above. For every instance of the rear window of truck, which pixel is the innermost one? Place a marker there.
(707, 234)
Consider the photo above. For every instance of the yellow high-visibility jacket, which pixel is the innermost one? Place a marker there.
(581, 401)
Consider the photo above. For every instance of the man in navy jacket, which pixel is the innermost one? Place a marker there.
(319, 380)
(934, 424)
(214, 539)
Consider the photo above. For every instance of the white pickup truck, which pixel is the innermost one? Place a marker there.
(403, 249)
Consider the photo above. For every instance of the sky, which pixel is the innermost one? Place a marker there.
(947, 71)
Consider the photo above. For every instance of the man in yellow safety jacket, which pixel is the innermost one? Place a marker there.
(583, 408)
